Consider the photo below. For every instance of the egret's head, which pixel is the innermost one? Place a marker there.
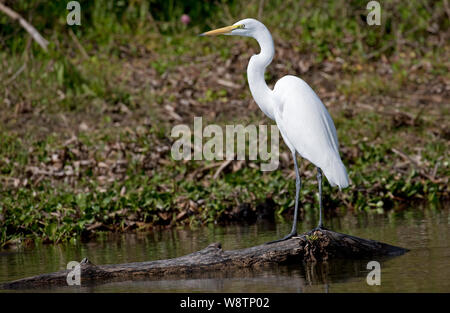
(247, 27)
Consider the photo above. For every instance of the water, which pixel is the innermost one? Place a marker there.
(425, 268)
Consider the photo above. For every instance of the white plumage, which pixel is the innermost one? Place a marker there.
(307, 127)
(304, 122)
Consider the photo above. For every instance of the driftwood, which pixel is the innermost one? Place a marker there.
(314, 246)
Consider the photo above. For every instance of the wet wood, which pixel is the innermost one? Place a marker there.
(314, 246)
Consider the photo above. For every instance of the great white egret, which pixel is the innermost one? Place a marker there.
(304, 122)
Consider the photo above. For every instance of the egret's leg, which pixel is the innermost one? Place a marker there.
(319, 181)
(298, 184)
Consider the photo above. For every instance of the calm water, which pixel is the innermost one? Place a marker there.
(425, 268)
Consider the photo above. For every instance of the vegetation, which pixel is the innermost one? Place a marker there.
(85, 128)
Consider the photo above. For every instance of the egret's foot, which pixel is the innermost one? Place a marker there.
(283, 239)
(320, 227)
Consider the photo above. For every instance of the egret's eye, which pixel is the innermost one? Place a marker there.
(242, 26)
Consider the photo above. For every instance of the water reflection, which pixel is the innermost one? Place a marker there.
(424, 268)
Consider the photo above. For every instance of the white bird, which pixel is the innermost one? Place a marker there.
(304, 122)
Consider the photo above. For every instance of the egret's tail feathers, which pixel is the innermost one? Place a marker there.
(336, 174)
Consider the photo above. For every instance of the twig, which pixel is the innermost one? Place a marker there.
(20, 70)
(260, 9)
(221, 168)
(227, 83)
(27, 49)
(207, 167)
(415, 164)
(225, 8)
(447, 8)
(389, 45)
(152, 20)
(28, 27)
(78, 44)
(405, 156)
(436, 166)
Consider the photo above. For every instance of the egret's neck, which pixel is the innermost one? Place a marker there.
(255, 73)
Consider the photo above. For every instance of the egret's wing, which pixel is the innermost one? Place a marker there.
(308, 126)
(304, 118)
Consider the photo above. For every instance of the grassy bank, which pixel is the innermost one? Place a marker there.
(85, 129)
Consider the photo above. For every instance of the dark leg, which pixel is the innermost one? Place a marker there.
(319, 181)
(298, 184)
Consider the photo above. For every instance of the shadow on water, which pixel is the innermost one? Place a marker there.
(425, 268)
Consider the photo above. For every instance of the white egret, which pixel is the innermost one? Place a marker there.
(304, 122)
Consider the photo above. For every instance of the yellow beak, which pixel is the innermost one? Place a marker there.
(220, 31)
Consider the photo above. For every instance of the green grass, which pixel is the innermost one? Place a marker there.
(111, 92)
(54, 210)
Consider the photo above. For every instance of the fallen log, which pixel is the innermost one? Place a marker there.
(314, 246)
